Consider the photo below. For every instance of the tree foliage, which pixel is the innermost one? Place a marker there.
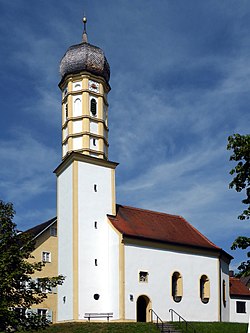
(240, 145)
(17, 289)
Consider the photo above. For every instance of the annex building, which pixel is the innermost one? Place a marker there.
(117, 259)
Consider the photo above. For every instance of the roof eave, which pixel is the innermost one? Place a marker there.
(198, 247)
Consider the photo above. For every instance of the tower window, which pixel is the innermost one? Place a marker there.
(94, 142)
(95, 224)
(66, 111)
(95, 187)
(93, 106)
(95, 262)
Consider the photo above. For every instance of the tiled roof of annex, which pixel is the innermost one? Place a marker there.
(160, 227)
(237, 288)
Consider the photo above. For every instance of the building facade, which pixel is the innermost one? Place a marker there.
(118, 259)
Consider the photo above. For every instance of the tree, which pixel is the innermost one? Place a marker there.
(17, 289)
(240, 145)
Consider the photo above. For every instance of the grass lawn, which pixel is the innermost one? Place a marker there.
(216, 327)
(85, 327)
(101, 328)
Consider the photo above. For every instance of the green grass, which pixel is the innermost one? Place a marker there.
(101, 328)
(139, 328)
(216, 327)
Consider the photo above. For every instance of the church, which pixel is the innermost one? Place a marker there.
(120, 263)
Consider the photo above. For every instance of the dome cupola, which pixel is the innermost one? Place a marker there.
(85, 57)
(85, 86)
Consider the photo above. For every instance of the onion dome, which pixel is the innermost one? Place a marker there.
(85, 57)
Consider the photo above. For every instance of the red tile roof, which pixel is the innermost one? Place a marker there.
(161, 227)
(237, 288)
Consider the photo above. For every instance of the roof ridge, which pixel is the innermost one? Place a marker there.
(149, 210)
(179, 216)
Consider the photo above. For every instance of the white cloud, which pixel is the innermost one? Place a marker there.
(26, 167)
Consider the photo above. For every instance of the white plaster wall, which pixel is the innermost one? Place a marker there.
(77, 85)
(93, 127)
(161, 264)
(64, 113)
(77, 106)
(94, 155)
(97, 243)
(64, 225)
(65, 149)
(77, 142)
(225, 308)
(65, 132)
(77, 126)
(113, 272)
(239, 317)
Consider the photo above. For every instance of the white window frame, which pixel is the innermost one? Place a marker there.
(46, 256)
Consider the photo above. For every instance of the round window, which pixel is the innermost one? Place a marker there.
(96, 296)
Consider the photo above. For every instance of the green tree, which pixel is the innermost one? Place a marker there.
(240, 145)
(17, 289)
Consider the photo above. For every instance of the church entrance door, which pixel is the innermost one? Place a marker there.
(142, 305)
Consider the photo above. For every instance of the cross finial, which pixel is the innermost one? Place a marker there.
(84, 35)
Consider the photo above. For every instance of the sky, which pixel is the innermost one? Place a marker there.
(180, 79)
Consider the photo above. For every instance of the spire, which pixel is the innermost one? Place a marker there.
(84, 35)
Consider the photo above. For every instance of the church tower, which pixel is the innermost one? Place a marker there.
(85, 85)
(85, 185)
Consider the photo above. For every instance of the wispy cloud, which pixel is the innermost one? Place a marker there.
(26, 166)
(180, 86)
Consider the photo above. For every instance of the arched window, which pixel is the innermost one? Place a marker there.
(93, 106)
(77, 111)
(177, 289)
(224, 292)
(204, 289)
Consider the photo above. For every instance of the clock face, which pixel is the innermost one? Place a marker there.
(93, 86)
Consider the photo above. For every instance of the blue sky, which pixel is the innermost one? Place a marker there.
(180, 79)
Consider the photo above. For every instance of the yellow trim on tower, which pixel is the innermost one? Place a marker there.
(75, 239)
(85, 83)
(70, 123)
